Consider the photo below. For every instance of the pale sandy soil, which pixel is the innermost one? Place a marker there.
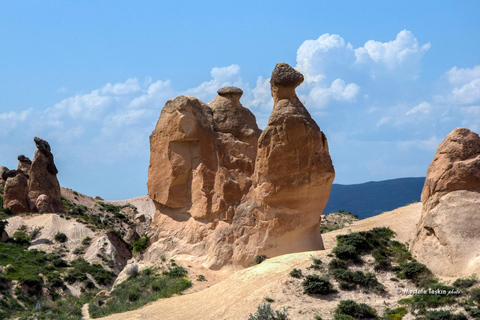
(239, 295)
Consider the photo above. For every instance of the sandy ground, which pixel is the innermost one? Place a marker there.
(239, 295)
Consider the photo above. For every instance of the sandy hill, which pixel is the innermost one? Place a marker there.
(238, 296)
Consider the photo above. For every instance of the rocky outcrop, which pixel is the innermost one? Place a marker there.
(24, 164)
(15, 195)
(2, 170)
(34, 187)
(447, 238)
(224, 191)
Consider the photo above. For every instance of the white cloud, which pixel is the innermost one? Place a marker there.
(224, 76)
(316, 57)
(89, 106)
(316, 96)
(403, 53)
(62, 90)
(155, 97)
(16, 116)
(464, 87)
(462, 76)
(128, 87)
(383, 120)
(423, 107)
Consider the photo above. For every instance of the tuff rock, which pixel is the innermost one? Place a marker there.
(224, 191)
(447, 238)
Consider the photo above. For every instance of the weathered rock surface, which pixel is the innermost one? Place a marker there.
(34, 182)
(15, 195)
(2, 170)
(43, 187)
(24, 164)
(224, 191)
(447, 237)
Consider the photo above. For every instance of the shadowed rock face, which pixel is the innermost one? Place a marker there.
(224, 190)
(16, 191)
(447, 237)
(2, 170)
(34, 187)
(24, 164)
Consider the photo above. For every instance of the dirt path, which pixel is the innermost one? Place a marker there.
(85, 313)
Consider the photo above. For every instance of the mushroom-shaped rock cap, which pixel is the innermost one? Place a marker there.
(23, 158)
(42, 145)
(285, 76)
(230, 91)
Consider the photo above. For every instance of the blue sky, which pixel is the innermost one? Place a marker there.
(386, 81)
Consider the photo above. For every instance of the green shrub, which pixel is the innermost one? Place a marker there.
(60, 263)
(296, 273)
(355, 310)
(61, 237)
(176, 271)
(395, 314)
(141, 244)
(314, 284)
(337, 264)
(259, 259)
(201, 277)
(135, 292)
(345, 252)
(368, 280)
(444, 315)
(464, 283)
(265, 312)
(22, 238)
(338, 316)
(268, 299)
(415, 271)
(86, 241)
(475, 295)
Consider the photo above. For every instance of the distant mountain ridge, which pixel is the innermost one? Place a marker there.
(374, 197)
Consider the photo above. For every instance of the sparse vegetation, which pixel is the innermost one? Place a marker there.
(135, 292)
(61, 237)
(265, 312)
(259, 259)
(141, 244)
(315, 284)
(355, 310)
(296, 273)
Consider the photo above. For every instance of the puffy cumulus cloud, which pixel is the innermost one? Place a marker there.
(155, 96)
(463, 86)
(423, 107)
(315, 58)
(330, 55)
(128, 87)
(463, 76)
(90, 106)
(224, 76)
(316, 96)
(402, 54)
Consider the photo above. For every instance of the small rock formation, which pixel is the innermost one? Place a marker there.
(24, 164)
(447, 237)
(2, 170)
(43, 187)
(33, 187)
(224, 191)
(15, 196)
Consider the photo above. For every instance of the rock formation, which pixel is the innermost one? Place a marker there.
(33, 187)
(2, 170)
(225, 191)
(43, 187)
(15, 196)
(447, 237)
(24, 164)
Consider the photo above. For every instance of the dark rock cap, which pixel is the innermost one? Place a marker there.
(24, 159)
(42, 145)
(285, 76)
(230, 91)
